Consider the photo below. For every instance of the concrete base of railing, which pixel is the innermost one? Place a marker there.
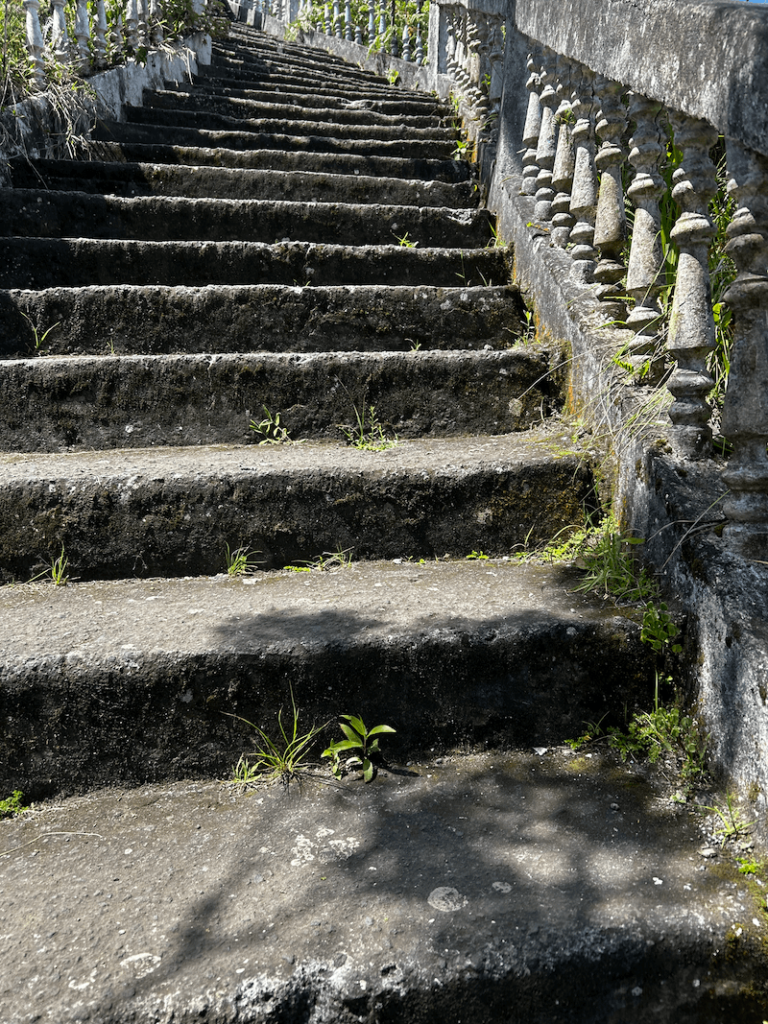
(47, 124)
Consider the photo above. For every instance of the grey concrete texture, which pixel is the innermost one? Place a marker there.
(27, 214)
(79, 262)
(135, 179)
(535, 888)
(267, 159)
(124, 319)
(127, 512)
(706, 58)
(139, 401)
(239, 139)
(516, 658)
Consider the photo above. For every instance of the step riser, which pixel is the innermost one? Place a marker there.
(448, 171)
(244, 140)
(134, 402)
(125, 320)
(285, 82)
(115, 526)
(167, 718)
(130, 180)
(71, 215)
(44, 263)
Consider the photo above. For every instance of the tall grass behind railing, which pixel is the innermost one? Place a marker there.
(396, 27)
(54, 41)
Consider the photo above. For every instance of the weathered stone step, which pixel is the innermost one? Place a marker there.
(245, 107)
(513, 887)
(448, 171)
(121, 131)
(138, 401)
(319, 128)
(131, 179)
(129, 319)
(171, 511)
(78, 262)
(520, 659)
(424, 106)
(233, 76)
(44, 214)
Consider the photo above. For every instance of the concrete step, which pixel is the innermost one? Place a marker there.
(519, 657)
(132, 179)
(45, 214)
(171, 511)
(350, 112)
(346, 164)
(120, 131)
(520, 888)
(415, 105)
(138, 401)
(135, 319)
(78, 262)
(322, 127)
(236, 76)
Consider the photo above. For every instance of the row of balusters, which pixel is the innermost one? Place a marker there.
(378, 24)
(574, 157)
(92, 39)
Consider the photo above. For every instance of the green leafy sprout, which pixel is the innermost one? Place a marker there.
(12, 805)
(240, 561)
(369, 434)
(358, 739)
(270, 429)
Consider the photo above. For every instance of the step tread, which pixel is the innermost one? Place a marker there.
(514, 876)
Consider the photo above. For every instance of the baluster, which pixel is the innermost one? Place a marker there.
(692, 326)
(584, 188)
(100, 33)
(358, 31)
(532, 126)
(60, 39)
(610, 218)
(371, 21)
(419, 51)
(496, 62)
(562, 171)
(35, 42)
(745, 415)
(142, 12)
(157, 28)
(406, 42)
(116, 36)
(336, 19)
(382, 19)
(132, 25)
(545, 150)
(393, 39)
(478, 97)
(82, 35)
(646, 259)
(327, 14)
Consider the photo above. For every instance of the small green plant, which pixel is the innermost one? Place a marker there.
(40, 338)
(270, 430)
(733, 823)
(12, 805)
(462, 150)
(476, 556)
(57, 570)
(405, 241)
(612, 571)
(392, 76)
(748, 867)
(659, 629)
(241, 562)
(283, 758)
(358, 738)
(369, 434)
(341, 558)
(298, 568)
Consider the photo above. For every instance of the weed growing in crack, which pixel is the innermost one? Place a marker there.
(57, 570)
(358, 739)
(283, 758)
(12, 805)
(369, 435)
(240, 561)
(270, 430)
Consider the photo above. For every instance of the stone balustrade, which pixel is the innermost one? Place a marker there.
(92, 37)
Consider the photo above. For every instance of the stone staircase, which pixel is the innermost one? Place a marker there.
(290, 233)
